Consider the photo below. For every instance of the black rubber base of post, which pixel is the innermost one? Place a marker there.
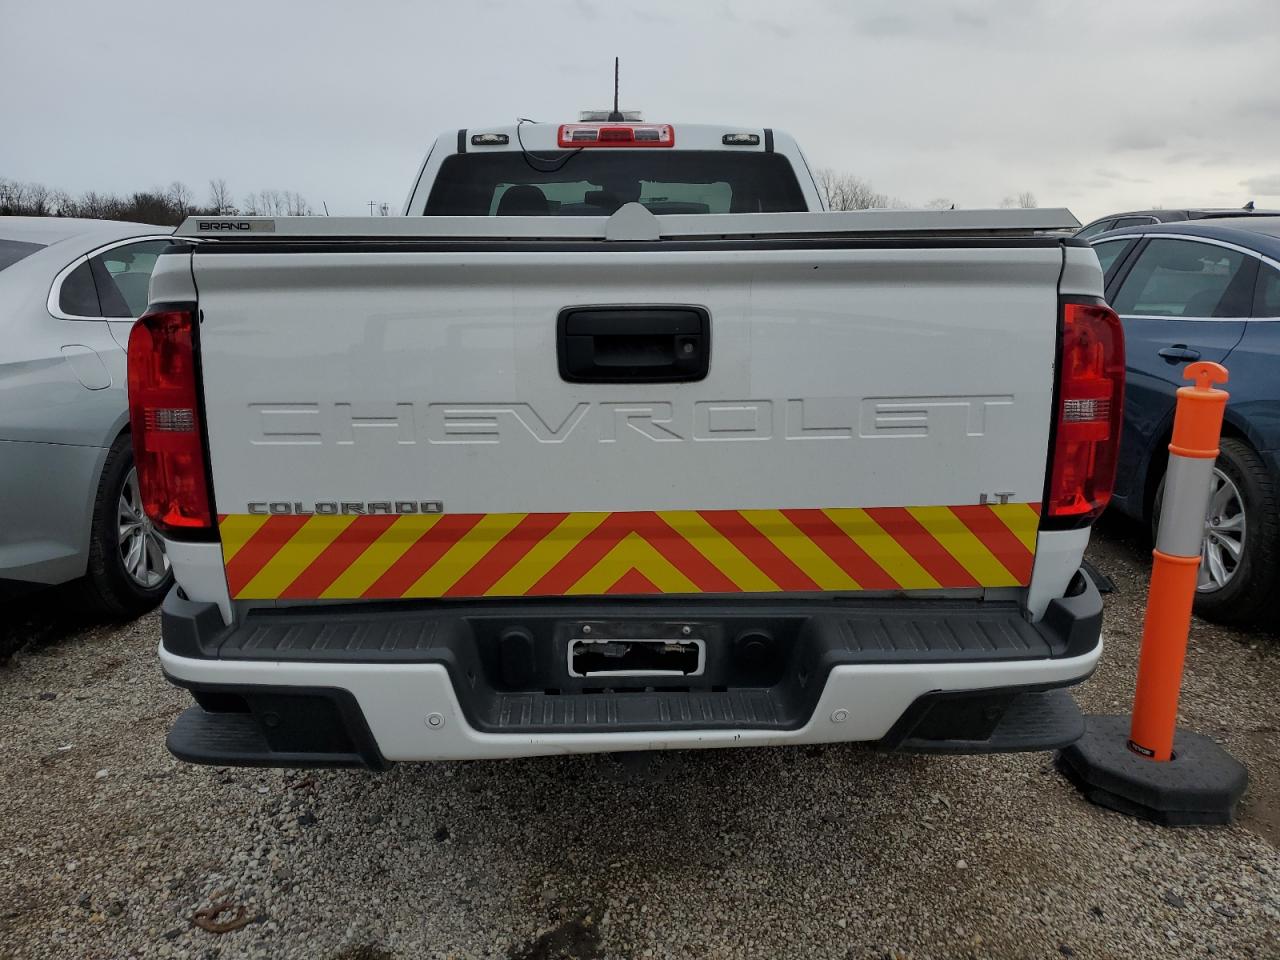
(1200, 786)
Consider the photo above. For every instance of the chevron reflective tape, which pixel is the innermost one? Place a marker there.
(291, 557)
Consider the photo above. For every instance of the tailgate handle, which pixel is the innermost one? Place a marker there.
(633, 344)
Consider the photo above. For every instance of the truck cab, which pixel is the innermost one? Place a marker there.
(590, 169)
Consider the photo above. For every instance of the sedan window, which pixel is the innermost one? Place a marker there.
(1267, 302)
(1093, 229)
(1124, 222)
(1181, 278)
(1109, 253)
(123, 276)
(78, 296)
(11, 251)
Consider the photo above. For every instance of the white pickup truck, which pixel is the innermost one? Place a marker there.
(619, 442)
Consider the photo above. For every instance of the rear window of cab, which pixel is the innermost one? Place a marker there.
(595, 183)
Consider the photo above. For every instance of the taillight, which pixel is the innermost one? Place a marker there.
(1090, 402)
(616, 135)
(165, 415)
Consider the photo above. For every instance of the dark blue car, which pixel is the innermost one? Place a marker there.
(1206, 290)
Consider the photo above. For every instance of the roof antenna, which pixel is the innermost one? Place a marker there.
(616, 115)
(1248, 206)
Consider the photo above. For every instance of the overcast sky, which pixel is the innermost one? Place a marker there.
(1096, 105)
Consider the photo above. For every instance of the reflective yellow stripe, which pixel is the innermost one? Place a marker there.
(1021, 519)
(548, 552)
(380, 555)
(721, 553)
(464, 554)
(235, 531)
(883, 549)
(633, 552)
(800, 550)
(294, 557)
(967, 550)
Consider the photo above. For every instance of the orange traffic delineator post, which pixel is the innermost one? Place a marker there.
(1143, 765)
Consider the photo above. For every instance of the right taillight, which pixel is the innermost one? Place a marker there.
(1090, 402)
(164, 413)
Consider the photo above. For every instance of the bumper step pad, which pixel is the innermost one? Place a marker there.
(1049, 720)
(237, 739)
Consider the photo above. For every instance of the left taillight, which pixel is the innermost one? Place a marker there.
(164, 411)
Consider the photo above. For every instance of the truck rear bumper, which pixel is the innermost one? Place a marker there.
(359, 686)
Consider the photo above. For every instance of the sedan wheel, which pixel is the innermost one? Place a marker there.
(1224, 533)
(127, 571)
(141, 550)
(1239, 575)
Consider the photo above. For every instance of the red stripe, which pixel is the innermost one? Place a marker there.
(505, 554)
(759, 549)
(999, 539)
(842, 549)
(345, 550)
(422, 556)
(633, 581)
(1037, 507)
(590, 550)
(260, 548)
(682, 555)
(924, 549)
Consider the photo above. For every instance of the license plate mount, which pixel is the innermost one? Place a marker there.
(684, 656)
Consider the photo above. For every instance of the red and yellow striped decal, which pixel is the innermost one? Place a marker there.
(670, 551)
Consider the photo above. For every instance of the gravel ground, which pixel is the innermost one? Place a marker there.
(111, 845)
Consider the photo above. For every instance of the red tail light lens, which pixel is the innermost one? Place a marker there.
(165, 415)
(1090, 404)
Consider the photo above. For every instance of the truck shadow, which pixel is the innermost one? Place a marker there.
(584, 833)
(43, 617)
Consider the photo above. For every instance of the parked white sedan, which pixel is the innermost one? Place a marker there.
(69, 505)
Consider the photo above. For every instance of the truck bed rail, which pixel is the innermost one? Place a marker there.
(633, 222)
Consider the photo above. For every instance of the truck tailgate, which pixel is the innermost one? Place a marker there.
(391, 423)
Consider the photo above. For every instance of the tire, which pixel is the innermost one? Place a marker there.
(113, 586)
(1249, 593)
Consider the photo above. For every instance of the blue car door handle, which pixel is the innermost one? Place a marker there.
(1178, 353)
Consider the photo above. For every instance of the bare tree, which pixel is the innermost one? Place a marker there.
(844, 191)
(13, 197)
(179, 196)
(167, 206)
(276, 203)
(220, 202)
(96, 205)
(940, 203)
(62, 205)
(155, 206)
(38, 196)
(296, 205)
(1026, 199)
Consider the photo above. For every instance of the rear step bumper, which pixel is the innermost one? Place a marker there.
(362, 685)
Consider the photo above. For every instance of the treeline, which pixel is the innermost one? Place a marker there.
(161, 206)
(844, 191)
